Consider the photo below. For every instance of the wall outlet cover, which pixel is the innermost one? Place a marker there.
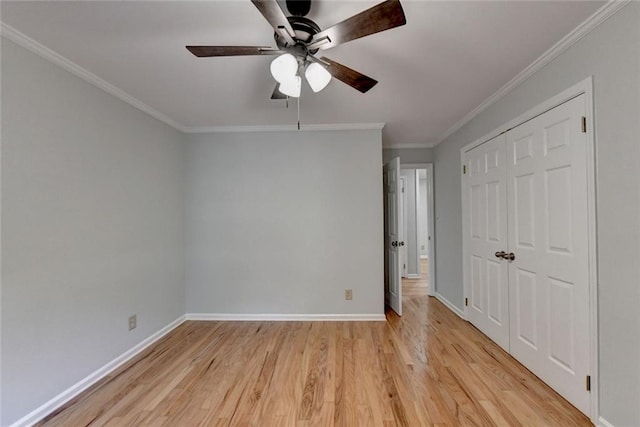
(133, 322)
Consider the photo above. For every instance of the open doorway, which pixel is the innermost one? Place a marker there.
(409, 239)
(416, 231)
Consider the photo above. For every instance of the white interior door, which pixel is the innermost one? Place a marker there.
(548, 235)
(486, 230)
(392, 218)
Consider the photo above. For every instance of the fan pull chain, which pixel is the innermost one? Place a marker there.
(298, 113)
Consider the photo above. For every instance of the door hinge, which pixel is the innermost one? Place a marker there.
(588, 383)
(464, 169)
(584, 124)
(466, 302)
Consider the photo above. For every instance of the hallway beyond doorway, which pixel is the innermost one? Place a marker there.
(419, 286)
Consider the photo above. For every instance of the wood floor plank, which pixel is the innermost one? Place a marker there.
(427, 368)
(417, 287)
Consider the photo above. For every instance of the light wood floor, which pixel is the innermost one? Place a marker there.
(417, 287)
(427, 368)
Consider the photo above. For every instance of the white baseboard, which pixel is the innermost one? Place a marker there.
(449, 305)
(53, 404)
(424, 256)
(413, 276)
(604, 423)
(287, 317)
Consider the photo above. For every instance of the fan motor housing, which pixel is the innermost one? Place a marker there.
(304, 28)
(298, 7)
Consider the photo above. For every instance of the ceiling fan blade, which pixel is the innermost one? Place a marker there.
(272, 12)
(277, 94)
(208, 51)
(347, 75)
(384, 16)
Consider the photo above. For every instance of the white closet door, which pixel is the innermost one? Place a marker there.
(548, 234)
(486, 232)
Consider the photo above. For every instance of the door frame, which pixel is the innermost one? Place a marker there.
(418, 228)
(405, 180)
(583, 87)
(431, 261)
(402, 228)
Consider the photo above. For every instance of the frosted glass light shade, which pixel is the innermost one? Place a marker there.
(317, 76)
(291, 87)
(284, 67)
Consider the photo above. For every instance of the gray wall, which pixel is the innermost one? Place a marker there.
(611, 54)
(411, 232)
(408, 155)
(278, 222)
(92, 229)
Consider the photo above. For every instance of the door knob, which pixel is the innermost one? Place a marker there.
(510, 256)
(394, 244)
(400, 243)
(500, 254)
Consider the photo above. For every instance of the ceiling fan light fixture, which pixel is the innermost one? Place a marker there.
(291, 87)
(284, 67)
(317, 76)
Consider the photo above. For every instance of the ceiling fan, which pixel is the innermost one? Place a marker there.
(298, 39)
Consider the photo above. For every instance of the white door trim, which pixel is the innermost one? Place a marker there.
(431, 261)
(402, 229)
(419, 230)
(583, 87)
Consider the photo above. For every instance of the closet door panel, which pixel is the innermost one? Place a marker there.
(487, 234)
(549, 298)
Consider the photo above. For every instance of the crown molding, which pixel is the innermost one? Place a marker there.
(566, 42)
(283, 128)
(405, 146)
(41, 50)
(576, 34)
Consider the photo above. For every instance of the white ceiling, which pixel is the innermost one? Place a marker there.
(449, 57)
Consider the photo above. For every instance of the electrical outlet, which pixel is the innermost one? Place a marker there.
(133, 322)
(348, 294)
